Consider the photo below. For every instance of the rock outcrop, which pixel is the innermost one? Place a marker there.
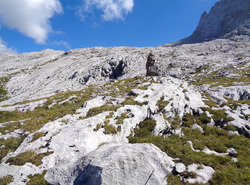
(227, 19)
(151, 67)
(124, 164)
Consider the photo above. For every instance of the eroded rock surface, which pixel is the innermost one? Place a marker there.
(119, 164)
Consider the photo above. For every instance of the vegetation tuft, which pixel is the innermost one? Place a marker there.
(162, 104)
(29, 156)
(37, 179)
(3, 92)
(119, 120)
(226, 171)
(97, 110)
(10, 145)
(145, 128)
(6, 180)
(38, 135)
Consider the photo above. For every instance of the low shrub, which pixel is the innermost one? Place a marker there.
(204, 118)
(188, 120)
(145, 128)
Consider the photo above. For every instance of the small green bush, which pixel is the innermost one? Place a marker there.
(188, 120)
(219, 116)
(230, 128)
(175, 123)
(145, 128)
(204, 118)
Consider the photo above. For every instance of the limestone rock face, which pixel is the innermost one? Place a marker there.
(125, 164)
(226, 19)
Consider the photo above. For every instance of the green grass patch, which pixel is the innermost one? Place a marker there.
(230, 128)
(233, 104)
(145, 128)
(42, 115)
(203, 118)
(162, 104)
(97, 110)
(143, 87)
(110, 115)
(174, 180)
(10, 127)
(3, 92)
(29, 156)
(188, 120)
(131, 101)
(98, 126)
(119, 119)
(219, 116)
(216, 78)
(37, 135)
(226, 171)
(37, 179)
(109, 129)
(210, 102)
(126, 85)
(176, 122)
(6, 180)
(10, 144)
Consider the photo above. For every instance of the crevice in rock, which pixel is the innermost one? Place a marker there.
(150, 176)
(117, 70)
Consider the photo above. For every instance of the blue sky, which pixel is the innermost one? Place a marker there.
(34, 25)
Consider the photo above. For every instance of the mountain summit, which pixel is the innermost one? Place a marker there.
(226, 19)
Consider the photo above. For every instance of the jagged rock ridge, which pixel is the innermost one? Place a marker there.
(226, 19)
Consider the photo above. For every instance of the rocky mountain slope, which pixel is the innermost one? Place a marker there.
(227, 19)
(92, 116)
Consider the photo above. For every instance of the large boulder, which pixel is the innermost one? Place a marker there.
(126, 164)
(122, 164)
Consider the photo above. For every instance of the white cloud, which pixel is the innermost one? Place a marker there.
(112, 9)
(4, 48)
(30, 17)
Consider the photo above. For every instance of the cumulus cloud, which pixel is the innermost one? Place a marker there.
(4, 48)
(112, 9)
(30, 17)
